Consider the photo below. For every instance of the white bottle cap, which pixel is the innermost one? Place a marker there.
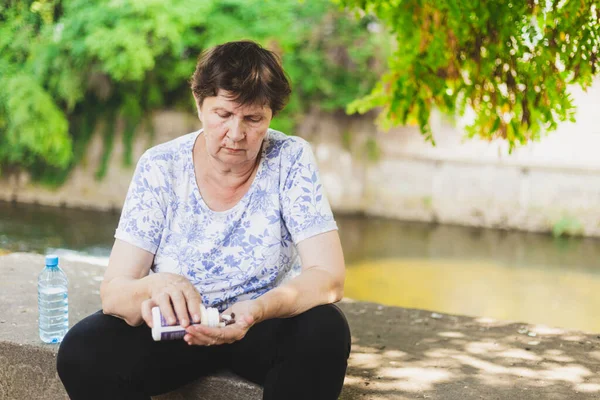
(203, 315)
(213, 317)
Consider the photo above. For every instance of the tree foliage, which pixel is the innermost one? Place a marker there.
(509, 61)
(66, 64)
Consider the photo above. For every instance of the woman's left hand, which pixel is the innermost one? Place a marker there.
(247, 313)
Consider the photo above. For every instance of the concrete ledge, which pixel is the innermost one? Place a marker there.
(224, 386)
(397, 353)
(29, 372)
(28, 366)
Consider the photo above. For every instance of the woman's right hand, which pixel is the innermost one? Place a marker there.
(176, 297)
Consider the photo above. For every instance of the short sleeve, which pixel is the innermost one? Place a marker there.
(143, 216)
(305, 209)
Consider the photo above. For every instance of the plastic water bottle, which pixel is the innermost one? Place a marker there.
(53, 302)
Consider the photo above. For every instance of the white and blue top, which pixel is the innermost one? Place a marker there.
(232, 255)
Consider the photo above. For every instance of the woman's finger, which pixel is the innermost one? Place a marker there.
(180, 307)
(228, 334)
(194, 300)
(147, 311)
(198, 338)
(166, 309)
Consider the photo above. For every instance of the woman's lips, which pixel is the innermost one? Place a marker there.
(233, 150)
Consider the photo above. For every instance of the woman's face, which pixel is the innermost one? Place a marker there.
(233, 133)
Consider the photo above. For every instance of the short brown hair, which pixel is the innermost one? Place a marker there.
(252, 74)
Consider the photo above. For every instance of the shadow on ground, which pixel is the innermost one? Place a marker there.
(415, 354)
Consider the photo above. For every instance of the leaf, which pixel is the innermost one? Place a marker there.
(454, 55)
(133, 57)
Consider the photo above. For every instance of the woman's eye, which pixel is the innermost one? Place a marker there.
(223, 115)
(255, 119)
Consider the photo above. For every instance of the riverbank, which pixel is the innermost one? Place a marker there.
(397, 353)
(548, 186)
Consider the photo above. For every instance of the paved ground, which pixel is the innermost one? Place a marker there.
(397, 353)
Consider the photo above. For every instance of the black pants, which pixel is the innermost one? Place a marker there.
(304, 357)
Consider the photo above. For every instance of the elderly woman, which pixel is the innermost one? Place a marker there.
(234, 217)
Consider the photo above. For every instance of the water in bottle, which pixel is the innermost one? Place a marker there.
(53, 303)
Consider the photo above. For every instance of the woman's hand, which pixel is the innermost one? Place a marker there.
(247, 313)
(176, 297)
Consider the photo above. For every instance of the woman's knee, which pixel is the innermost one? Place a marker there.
(74, 351)
(324, 330)
(83, 346)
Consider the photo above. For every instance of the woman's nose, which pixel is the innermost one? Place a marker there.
(236, 131)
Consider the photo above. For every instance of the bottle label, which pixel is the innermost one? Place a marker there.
(174, 335)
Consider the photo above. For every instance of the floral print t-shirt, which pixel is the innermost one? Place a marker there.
(231, 255)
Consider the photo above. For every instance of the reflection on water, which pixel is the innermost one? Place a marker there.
(480, 272)
(37, 229)
(536, 295)
(505, 275)
(372, 238)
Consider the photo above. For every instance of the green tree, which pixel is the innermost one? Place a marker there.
(510, 61)
(65, 64)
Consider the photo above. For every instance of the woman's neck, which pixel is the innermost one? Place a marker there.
(212, 171)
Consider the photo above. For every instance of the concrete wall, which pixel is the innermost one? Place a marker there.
(467, 182)
(554, 182)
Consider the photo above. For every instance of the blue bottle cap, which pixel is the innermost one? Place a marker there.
(51, 261)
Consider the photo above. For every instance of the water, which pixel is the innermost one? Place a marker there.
(506, 275)
(515, 276)
(53, 305)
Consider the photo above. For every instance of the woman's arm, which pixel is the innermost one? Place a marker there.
(128, 292)
(124, 287)
(320, 282)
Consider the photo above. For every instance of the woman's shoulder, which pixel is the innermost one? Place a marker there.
(276, 136)
(171, 151)
(285, 146)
